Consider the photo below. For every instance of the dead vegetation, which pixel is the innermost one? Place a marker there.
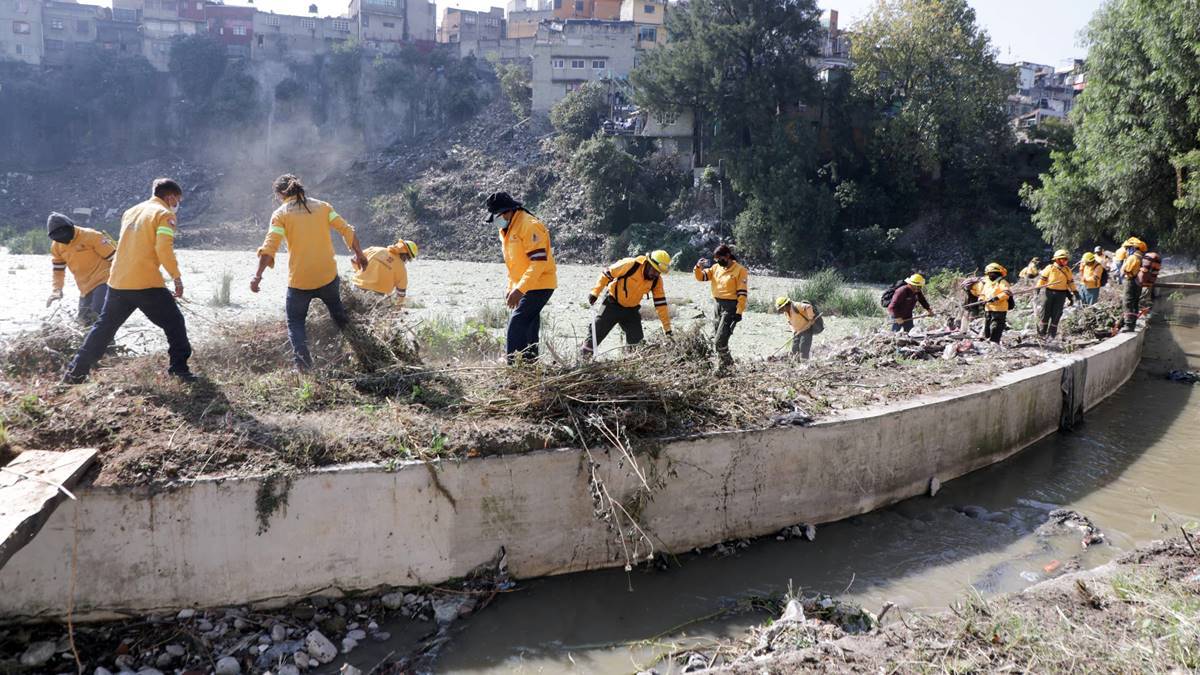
(395, 389)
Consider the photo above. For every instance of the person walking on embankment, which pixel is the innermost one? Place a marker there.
(624, 284)
(305, 224)
(1058, 282)
(1092, 273)
(1031, 271)
(532, 274)
(1134, 274)
(386, 269)
(730, 282)
(904, 301)
(804, 321)
(146, 243)
(88, 254)
(996, 292)
(1105, 261)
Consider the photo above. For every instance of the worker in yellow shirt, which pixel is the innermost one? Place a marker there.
(1031, 271)
(730, 283)
(997, 294)
(386, 271)
(532, 274)
(147, 243)
(1105, 261)
(625, 283)
(805, 323)
(88, 254)
(1059, 283)
(1131, 267)
(305, 224)
(1091, 272)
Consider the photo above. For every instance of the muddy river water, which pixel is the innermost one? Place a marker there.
(1132, 467)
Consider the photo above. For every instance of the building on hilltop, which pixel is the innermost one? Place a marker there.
(21, 31)
(648, 17)
(461, 25)
(232, 26)
(834, 50)
(1044, 92)
(160, 22)
(523, 24)
(386, 24)
(118, 35)
(566, 54)
(286, 37)
(67, 27)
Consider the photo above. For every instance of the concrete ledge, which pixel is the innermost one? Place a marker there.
(361, 526)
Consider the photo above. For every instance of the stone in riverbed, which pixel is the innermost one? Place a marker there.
(175, 650)
(357, 634)
(227, 665)
(185, 614)
(393, 600)
(37, 654)
(288, 669)
(278, 633)
(319, 647)
(348, 645)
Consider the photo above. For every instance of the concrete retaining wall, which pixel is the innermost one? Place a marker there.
(358, 527)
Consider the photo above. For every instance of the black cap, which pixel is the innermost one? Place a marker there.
(58, 221)
(500, 202)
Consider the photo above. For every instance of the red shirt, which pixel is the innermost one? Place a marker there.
(904, 301)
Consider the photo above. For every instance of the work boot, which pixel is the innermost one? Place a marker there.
(184, 376)
(72, 379)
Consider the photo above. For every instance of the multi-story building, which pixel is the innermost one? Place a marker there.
(568, 53)
(118, 36)
(283, 37)
(66, 27)
(232, 26)
(523, 24)
(649, 17)
(21, 31)
(1044, 91)
(161, 21)
(384, 24)
(605, 10)
(461, 25)
(834, 48)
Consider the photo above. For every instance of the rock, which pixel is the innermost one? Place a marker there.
(334, 625)
(934, 486)
(810, 532)
(164, 659)
(204, 625)
(227, 665)
(37, 654)
(124, 663)
(348, 645)
(185, 614)
(381, 636)
(149, 671)
(348, 669)
(301, 660)
(264, 640)
(176, 650)
(340, 609)
(240, 624)
(448, 609)
(288, 669)
(793, 612)
(319, 647)
(372, 626)
(393, 600)
(272, 654)
(102, 671)
(695, 662)
(357, 634)
(278, 633)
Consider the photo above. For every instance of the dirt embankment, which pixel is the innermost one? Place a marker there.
(1139, 613)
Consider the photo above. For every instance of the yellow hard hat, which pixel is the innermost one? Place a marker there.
(1141, 245)
(781, 302)
(1062, 253)
(411, 246)
(915, 280)
(995, 267)
(661, 261)
(1089, 257)
(1132, 241)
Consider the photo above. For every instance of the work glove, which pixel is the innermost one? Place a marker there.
(54, 297)
(667, 333)
(592, 299)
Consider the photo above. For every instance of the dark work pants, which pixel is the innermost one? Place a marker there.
(724, 321)
(994, 326)
(1132, 302)
(91, 304)
(158, 305)
(802, 344)
(525, 324)
(1052, 311)
(298, 302)
(613, 315)
(904, 325)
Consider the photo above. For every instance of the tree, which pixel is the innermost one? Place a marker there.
(580, 113)
(196, 62)
(514, 82)
(1135, 165)
(610, 175)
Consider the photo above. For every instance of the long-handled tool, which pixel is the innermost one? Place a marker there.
(1024, 291)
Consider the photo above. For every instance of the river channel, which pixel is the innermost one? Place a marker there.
(1132, 467)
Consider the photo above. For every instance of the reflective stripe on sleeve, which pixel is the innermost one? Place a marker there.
(165, 231)
(401, 292)
(59, 266)
(275, 229)
(333, 215)
(660, 303)
(742, 293)
(539, 254)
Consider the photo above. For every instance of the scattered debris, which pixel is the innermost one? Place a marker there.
(1184, 376)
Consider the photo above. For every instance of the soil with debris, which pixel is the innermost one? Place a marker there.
(392, 390)
(1139, 613)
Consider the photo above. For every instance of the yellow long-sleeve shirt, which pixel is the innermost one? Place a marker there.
(310, 246)
(1030, 272)
(147, 242)
(1057, 278)
(89, 257)
(998, 289)
(626, 283)
(728, 283)
(528, 254)
(385, 272)
(1132, 265)
(1091, 273)
(801, 316)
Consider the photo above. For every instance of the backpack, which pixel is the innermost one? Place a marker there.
(818, 324)
(885, 298)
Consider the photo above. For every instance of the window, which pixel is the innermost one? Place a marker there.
(383, 3)
(54, 45)
(366, 20)
(81, 27)
(577, 64)
(272, 20)
(56, 24)
(578, 5)
(239, 30)
(647, 34)
(558, 63)
(170, 5)
(389, 24)
(557, 4)
(468, 18)
(308, 24)
(20, 49)
(126, 15)
(648, 9)
(21, 27)
(341, 25)
(598, 64)
(260, 39)
(199, 6)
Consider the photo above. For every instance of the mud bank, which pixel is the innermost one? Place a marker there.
(225, 541)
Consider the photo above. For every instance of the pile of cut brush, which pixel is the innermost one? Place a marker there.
(46, 350)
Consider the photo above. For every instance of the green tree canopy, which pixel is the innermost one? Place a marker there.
(1135, 167)
(581, 112)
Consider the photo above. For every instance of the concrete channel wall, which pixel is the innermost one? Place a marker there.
(359, 527)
